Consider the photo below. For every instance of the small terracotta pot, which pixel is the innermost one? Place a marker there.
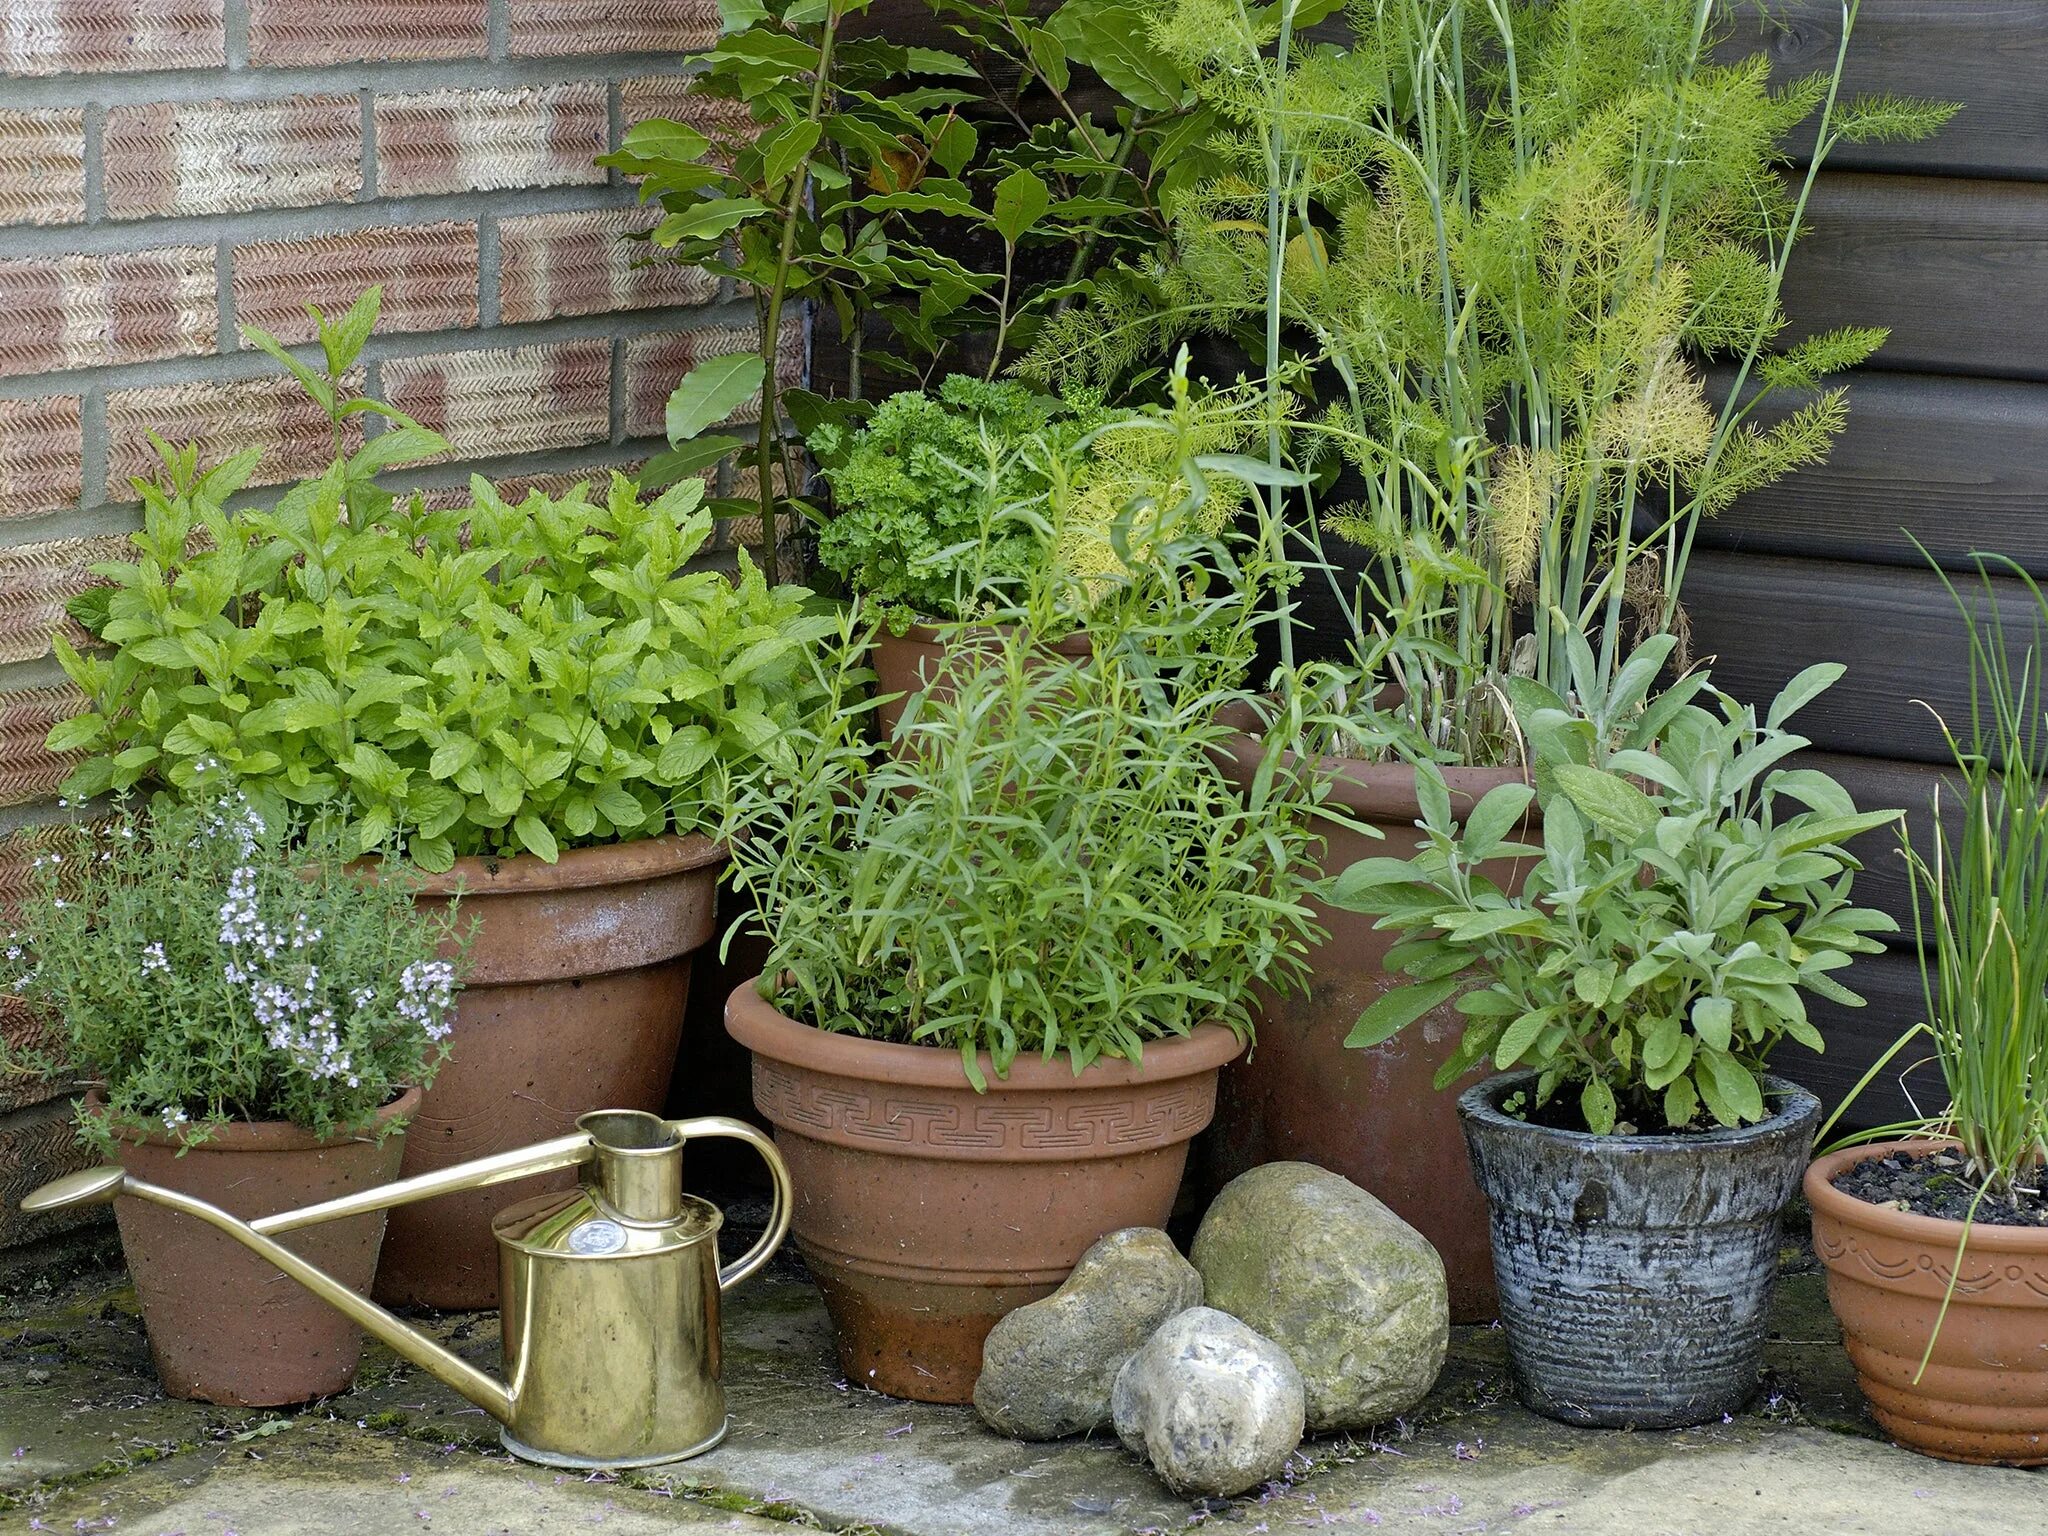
(225, 1327)
(573, 1001)
(919, 660)
(1984, 1396)
(1375, 1115)
(927, 1211)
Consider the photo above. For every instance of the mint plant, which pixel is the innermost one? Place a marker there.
(209, 963)
(1688, 891)
(482, 679)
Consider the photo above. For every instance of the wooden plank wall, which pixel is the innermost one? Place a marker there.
(1946, 243)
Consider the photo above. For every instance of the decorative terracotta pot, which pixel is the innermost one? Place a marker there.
(573, 1002)
(926, 1211)
(1373, 1115)
(1636, 1271)
(1984, 1395)
(225, 1327)
(918, 661)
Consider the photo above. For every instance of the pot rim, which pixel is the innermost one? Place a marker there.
(260, 1135)
(1374, 791)
(765, 1030)
(933, 634)
(1910, 1226)
(626, 863)
(1476, 1106)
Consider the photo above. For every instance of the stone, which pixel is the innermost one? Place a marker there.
(1354, 1294)
(1213, 1407)
(1047, 1368)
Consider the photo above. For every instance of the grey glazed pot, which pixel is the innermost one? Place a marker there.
(1635, 1271)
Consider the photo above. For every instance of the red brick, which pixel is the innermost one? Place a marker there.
(89, 311)
(515, 400)
(583, 264)
(428, 273)
(675, 97)
(478, 141)
(302, 32)
(66, 37)
(42, 167)
(222, 418)
(224, 156)
(557, 484)
(36, 580)
(542, 27)
(28, 770)
(42, 463)
(655, 365)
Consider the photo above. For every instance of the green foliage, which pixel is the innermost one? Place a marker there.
(481, 679)
(1496, 239)
(1981, 904)
(1048, 861)
(1689, 889)
(211, 964)
(919, 493)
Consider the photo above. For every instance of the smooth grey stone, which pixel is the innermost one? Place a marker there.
(1212, 1406)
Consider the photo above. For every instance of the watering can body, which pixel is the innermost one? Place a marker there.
(609, 1295)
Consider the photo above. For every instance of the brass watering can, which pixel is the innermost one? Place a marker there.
(609, 1291)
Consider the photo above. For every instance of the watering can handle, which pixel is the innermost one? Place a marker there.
(778, 1172)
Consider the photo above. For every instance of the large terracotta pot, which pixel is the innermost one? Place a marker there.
(926, 1211)
(1373, 1115)
(573, 1002)
(225, 1327)
(1984, 1396)
(918, 661)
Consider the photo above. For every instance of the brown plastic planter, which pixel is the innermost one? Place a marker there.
(573, 1002)
(225, 1327)
(918, 661)
(927, 1211)
(1984, 1397)
(1372, 1115)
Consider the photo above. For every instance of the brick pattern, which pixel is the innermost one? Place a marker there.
(314, 32)
(519, 400)
(35, 1145)
(675, 97)
(28, 770)
(583, 264)
(653, 364)
(477, 141)
(428, 273)
(42, 454)
(268, 412)
(547, 27)
(227, 156)
(36, 580)
(89, 311)
(42, 166)
(66, 37)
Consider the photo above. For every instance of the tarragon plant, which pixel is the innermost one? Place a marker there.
(1689, 890)
(207, 963)
(487, 678)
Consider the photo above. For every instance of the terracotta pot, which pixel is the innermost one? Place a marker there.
(1371, 1115)
(225, 1327)
(1984, 1396)
(918, 660)
(926, 1211)
(573, 1002)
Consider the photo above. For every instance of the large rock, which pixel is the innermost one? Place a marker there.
(1047, 1369)
(1213, 1407)
(1352, 1292)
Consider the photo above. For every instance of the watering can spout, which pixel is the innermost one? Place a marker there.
(556, 1249)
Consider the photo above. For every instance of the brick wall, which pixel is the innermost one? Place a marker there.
(172, 169)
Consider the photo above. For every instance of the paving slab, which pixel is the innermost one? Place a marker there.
(85, 1434)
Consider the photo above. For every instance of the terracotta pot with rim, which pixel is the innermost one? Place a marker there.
(927, 1211)
(225, 1327)
(1984, 1396)
(1373, 1116)
(573, 1001)
(917, 661)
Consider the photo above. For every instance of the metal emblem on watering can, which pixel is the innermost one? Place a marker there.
(609, 1292)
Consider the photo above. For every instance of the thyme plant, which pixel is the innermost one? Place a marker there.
(208, 964)
(1497, 240)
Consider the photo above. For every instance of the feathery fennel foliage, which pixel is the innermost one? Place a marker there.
(1496, 239)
